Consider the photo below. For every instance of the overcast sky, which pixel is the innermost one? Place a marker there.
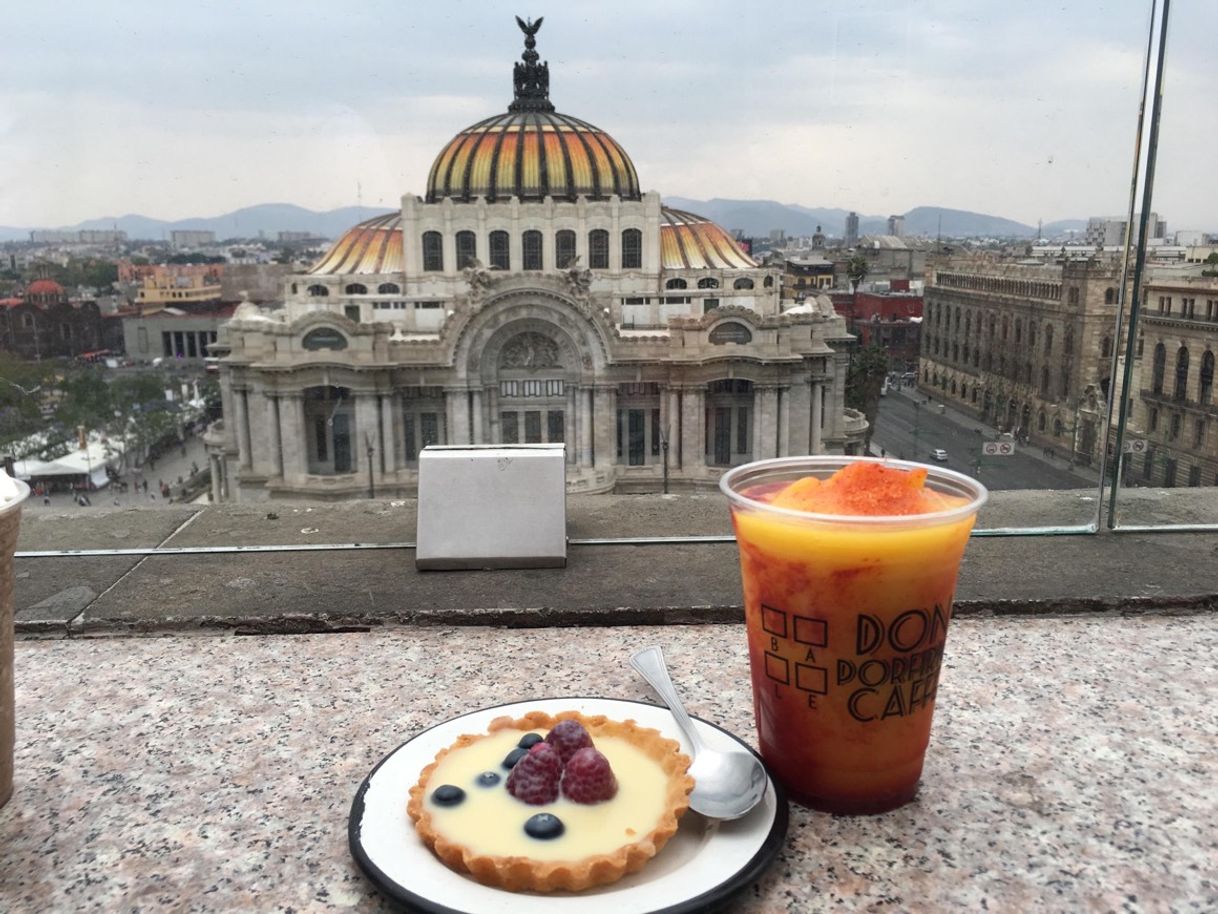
(1025, 110)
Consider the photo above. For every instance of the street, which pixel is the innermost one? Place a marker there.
(908, 427)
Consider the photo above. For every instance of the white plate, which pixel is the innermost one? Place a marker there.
(703, 865)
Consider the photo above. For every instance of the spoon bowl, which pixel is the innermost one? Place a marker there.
(727, 785)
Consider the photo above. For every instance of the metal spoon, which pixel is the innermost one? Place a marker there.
(726, 784)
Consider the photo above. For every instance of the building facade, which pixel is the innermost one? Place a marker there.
(1025, 347)
(534, 293)
(42, 323)
(1174, 409)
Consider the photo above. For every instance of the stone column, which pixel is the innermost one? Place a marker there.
(241, 411)
(272, 431)
(672, 427)
(604, 414)
(817, 417)
(758, 429)
(784, 421)
(570, 435)
(456, 407)
(389, 451)
(213, 464)
(476, 409)
(767, 409)
(584, 418)
(693, 428)
(293, 441)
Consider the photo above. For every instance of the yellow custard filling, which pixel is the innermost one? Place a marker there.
(491, 821)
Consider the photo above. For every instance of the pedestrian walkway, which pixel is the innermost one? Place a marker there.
(171, 468)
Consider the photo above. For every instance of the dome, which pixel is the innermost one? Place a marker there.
(373, 246)
(44, 287)
(532, 152)
(531, 155)
(689, 242)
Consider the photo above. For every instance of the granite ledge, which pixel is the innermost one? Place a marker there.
(1071, 767)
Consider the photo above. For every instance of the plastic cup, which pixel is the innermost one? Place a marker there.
(847, 617)
(10, 523)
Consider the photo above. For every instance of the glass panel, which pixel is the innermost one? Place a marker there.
(598, 249)
(500, 247)
(467, 249)
(412, 450)
(555, 427)
(342, 443)
(429, 428)
(564, 248)
(632, 249)
(508, 430)
(532, 427)
(531, 244)
(637, 442)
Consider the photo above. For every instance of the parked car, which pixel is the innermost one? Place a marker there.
(939, 454)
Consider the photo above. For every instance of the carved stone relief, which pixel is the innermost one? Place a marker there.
(530, 350)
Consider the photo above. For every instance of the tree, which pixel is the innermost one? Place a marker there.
(864, 381)
(857, 269)
(23, 389)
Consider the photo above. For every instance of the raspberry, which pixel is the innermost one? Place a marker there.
(568, 737)
(588, 778)
(534, 779)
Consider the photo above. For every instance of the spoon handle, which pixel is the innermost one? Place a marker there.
(650, 664)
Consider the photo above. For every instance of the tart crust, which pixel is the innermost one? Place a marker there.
(523, 874)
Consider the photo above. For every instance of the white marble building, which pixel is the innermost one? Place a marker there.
(533, 293)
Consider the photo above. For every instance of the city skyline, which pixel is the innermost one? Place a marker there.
(1028, 113)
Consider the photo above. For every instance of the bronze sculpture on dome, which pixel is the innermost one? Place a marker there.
(531, 80)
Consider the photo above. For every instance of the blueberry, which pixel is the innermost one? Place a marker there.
(513, 757)
(544, 826)
(447, 795)
(488, 779)
(529, 740)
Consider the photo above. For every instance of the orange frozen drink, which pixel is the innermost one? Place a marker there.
(849, 566)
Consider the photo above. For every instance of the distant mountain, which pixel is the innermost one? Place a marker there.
(760, 217)
(930, 221)
(247, 222)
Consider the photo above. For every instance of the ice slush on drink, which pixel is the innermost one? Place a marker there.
(849, 566)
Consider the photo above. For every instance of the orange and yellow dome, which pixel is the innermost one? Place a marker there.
(374, 246)
(689, 242)
(532, 155)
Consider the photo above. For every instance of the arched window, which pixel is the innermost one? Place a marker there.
(708, 282)
(500, 254)
(1068, 342)
(1106, 347)
(968, 323)
(1110, 296)
(318, 291)
(531, 249)
(1040, 421)
(564, 248)
(598, 249)
(1005, 327)
(356, 288)
(768, 282)
(467, 249)
(1018, 330)
(293, 288)
(743, 283)
(1181, 391)
(632, 249)
(1048, 339)
(676, 284)
(1044, 382)
(1057, 428)
(389, 288)
(1207, 377)
(1160, 368)
(433, 252)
